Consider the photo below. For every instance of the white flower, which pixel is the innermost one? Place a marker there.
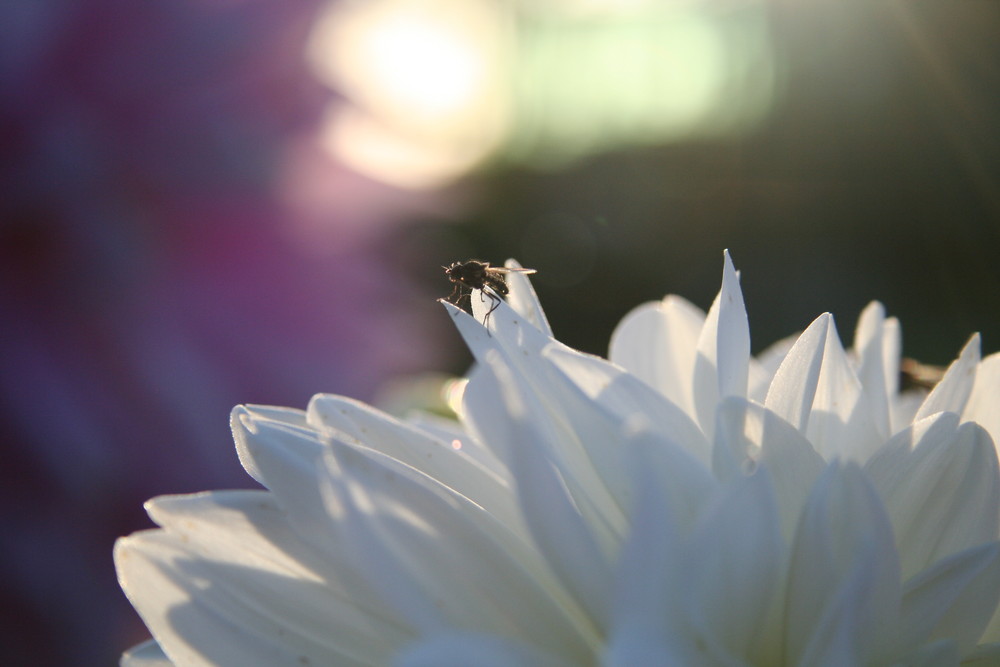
(685, 504)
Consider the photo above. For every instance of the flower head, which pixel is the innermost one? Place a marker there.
(680, 504)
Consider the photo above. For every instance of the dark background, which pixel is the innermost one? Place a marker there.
(875, 176)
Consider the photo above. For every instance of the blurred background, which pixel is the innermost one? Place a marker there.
(212, 202)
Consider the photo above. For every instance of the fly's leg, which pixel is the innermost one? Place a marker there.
(455, 292)
(496, 304)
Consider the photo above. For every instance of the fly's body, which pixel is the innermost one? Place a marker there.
(475, 275)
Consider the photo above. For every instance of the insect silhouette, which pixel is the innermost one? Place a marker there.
(475, 275)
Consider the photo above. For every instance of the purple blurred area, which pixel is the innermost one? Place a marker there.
(171, 244)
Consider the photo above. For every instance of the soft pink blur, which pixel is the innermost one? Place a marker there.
(171, 244)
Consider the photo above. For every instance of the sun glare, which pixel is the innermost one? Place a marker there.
(436, 87)
(427, 79)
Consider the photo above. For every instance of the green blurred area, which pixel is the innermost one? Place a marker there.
(865, 165)
(658, 74)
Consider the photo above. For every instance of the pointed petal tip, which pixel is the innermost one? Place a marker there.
(971, 350)
(731, 286)
(171, 501)
(452, 309)
(314, 401)
(727, 260)
(147, 654)
(978, 435)
(241, 420)
(824, 320)
(874, 306)
(458, 313)
(124, 549)
(121, 544)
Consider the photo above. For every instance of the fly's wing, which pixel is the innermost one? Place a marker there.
(496, 282)
(494, 277)
(504, 269)
(523, 299)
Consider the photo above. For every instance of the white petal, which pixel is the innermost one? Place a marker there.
(758, 379)
(952, 392)
(284, 458)
(438, 558)
(248, 529)
(992, 632)
(657, 343)
(289, 416)
(763, 368)
(843, 590)
(648, 614)
(602, 391)
(722, 365)
(734, 561)
(942, 653)
(554, 408)
(841, 424)
(694, 597)
(983, 406)
(869, 345)
(578, 544)
(985, 655)
(514, 340)
(246, 532)
(733, 335)
(353, 421)
(517, 341)
(451, 431)
(635, 645)
(748, 435)
(326, 513)
(794, 385)
(954, 599)
(523, 299)
(205, 612)
(837, 643)
(464, 650)
(903, 409)
(579, 404)
(683, 482)
(484, 303)
(943, 496)
(243, 421)
(147, 654)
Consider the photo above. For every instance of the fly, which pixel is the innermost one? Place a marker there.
(475, 275)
